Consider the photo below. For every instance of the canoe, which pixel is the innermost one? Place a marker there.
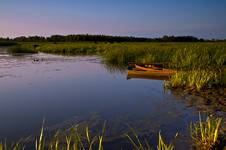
(156, 71)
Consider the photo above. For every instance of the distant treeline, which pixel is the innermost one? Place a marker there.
(104, 38)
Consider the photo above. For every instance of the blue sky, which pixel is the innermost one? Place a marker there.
(146, 18)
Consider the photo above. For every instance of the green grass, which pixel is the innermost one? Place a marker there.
(139, 145)
(195, 79)
(71, 139)
(18, 49)
(80, 48)
(162, 146)
(205, 133)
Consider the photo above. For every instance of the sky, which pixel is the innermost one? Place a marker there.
(141, 18)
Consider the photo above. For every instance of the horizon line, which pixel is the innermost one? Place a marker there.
(168, 35)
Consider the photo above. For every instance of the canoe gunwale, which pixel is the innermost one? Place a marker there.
(153, 70)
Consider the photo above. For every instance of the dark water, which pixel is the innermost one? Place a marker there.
(67, 90)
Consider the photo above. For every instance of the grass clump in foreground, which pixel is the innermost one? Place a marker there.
(138, 145)
(72, 141)
(205, 133)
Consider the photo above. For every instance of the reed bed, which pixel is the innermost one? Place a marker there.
(195, 79)
(197, 65)
(23, 49)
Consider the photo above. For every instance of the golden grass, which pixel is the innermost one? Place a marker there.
(162, 146)
(205, 133)
(196, 79)
(139, 145)
(75, 140)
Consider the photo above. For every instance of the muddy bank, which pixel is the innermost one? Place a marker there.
(210, 100)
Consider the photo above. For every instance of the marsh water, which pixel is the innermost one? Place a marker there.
(68, 90)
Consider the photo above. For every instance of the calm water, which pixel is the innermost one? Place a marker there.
(67, 90)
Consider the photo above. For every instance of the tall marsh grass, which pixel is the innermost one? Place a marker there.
(195, 79)
(198, 65)
(22, 49)
(78, 48)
